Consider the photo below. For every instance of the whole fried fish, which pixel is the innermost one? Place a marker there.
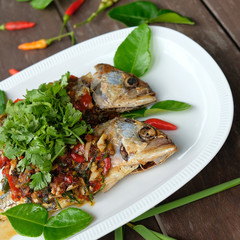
(107, 93)
(137, 146)
(116, 148)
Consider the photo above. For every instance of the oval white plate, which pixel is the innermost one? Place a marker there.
(181, 70)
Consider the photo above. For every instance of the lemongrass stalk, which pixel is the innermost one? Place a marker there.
(191, 198)
(118, 234)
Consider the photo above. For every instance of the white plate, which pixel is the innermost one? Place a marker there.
(181, 70)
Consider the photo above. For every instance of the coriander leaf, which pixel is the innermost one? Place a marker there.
(43, 162)
(133, 55)
(11, 151)
(37, 146)
(64, 79)
(27, 219)
(66, 223)
(40, 4)
(59, 147)
(2, 102)
(22, 164)
(40, 180)
(72, 116)
(139, 12)
(56, 87)
(135, 13)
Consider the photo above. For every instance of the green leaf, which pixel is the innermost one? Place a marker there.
(27, 219)
(118, 234)
(40, 180)
(22, 0)
(135, 13)
(133, 55)
(191, 198)
(40, 4)
(145, 233)
(166, 15)
(168, 105)
(72, 116)
(66, 223)
(135, 113)
(64, 79)
(2, 102)
(139, 12)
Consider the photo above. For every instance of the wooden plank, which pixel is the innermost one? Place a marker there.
(48, 25)
(228, 14)
(217, 217)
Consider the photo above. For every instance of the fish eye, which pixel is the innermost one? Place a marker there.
(131, 82)
(147, 133)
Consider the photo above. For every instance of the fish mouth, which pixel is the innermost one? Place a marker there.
(158, 157)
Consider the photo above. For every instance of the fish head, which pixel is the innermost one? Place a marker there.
(136, 143)
(115, 89)
(137, 147)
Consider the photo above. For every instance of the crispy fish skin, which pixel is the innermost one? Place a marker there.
(138, 146)
(115, 89)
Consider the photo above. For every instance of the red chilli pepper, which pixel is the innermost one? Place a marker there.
(95, 185)
(13, 71)
(16, 25)
(18, 100)
(77, 158)
(68, 178)
(107, 165)
(70, 11)
(160, 124)
(14, 190)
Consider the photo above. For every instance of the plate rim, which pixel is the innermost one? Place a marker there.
(176, 181)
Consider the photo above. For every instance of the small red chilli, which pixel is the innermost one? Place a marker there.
(10, 26)
(13, 71)
(70, 11)
(160, 124)
(77, 158)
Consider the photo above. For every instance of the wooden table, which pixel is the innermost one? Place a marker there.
(217, 30)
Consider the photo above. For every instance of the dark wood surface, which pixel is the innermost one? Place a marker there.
(217, 30)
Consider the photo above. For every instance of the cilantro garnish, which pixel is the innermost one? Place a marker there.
(38, 128)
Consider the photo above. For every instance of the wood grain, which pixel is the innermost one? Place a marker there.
(228, 14)
(216, 217)
(48, 25)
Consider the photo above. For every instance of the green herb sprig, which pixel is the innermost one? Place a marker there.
(38, 128)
